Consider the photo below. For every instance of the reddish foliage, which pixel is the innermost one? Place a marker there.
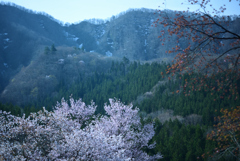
(213, 47)
(213, 52)
(227, 133)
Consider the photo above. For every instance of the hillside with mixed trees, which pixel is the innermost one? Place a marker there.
(27, 40)
(43, 61)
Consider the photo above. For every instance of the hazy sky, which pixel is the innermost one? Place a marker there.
(77, 10)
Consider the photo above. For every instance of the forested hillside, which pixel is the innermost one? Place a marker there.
(43, 61)
(133, 82)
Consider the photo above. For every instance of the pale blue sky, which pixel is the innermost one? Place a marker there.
(77, 10)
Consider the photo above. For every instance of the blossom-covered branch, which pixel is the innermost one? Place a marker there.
(72, 132)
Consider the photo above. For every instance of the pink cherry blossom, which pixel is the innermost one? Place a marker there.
(72, 132)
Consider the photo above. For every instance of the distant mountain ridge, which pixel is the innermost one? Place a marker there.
(24, 35)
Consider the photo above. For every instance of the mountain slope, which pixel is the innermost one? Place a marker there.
(25, 37)
(129, 35)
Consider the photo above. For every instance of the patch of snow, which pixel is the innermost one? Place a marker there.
(4, 92)
(47, 76)
(81, 62)
(75, 39)
(145, 44)
(97, 42)
(7, 39)
(80, 46)
(5, 64)
(3, 72)
(65, 33)
(108, 54)
(110, 43)
(69, 56)
(60, 61)
(91, 51)
(102, 33)
(5, 34)
(70, 37)
(42, 25)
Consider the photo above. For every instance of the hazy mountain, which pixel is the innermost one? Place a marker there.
(29, 71)
(23, 35)
(130, 35)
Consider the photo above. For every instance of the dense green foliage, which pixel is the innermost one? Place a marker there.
(15, 110)
(202, 102)
(126, 81)
(177, 141)
(123, 81)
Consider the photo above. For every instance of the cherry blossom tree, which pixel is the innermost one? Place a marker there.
(72, 132)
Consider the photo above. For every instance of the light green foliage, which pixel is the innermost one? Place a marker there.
(34, 92)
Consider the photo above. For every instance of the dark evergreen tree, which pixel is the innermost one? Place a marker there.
(53, 49)
(46, 50)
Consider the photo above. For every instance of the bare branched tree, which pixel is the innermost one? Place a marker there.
(213, 48)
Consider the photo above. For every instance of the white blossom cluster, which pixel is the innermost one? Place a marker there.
(73, 132)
